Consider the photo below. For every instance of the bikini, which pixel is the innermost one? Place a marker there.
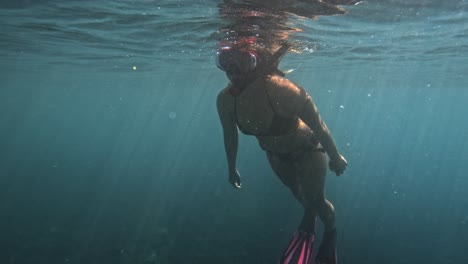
(280, 125)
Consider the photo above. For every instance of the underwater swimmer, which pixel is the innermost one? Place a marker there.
(259, 101)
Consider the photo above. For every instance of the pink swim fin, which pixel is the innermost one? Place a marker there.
(300, 249)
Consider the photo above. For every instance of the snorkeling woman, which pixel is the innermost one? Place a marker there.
(260, 101)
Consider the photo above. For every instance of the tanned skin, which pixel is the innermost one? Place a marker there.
(305, 175)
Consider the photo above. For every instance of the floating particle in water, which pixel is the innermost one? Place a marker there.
(134, 68)
(342, 106)
(172, 115)
(464, 220)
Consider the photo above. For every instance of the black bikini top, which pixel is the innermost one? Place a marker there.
(280, 125)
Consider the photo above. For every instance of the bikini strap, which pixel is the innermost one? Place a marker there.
(269, 99)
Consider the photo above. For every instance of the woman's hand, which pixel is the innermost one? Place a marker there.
(338, 165)
(234, 179)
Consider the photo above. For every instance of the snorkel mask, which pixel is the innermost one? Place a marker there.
(240, 60)
(247, 61)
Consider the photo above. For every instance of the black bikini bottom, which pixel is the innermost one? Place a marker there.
(299, 153)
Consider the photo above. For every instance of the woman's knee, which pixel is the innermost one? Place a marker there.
(327, 212)
(320, 205)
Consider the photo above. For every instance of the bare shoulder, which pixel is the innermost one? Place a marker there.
(282, 87)
(225, 100)
(285, 95)
(224, 96)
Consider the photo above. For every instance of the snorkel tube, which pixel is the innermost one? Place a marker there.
(275, 59)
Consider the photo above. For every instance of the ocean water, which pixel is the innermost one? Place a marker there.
(111, 149)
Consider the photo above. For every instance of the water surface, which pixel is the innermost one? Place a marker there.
(111, 149)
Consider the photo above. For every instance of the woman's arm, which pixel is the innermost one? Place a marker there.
(231, 135)
(310, 115)
(292, 100)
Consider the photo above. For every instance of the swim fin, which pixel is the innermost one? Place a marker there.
(300, 248)
(327, 250)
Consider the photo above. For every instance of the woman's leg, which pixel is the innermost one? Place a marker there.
(313, 184)
(305, 176)
(312, 187)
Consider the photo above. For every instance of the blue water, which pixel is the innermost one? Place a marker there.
(111, 149)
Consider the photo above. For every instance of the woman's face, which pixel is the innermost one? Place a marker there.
(236, 76)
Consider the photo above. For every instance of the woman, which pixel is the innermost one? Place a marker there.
(284, 119)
